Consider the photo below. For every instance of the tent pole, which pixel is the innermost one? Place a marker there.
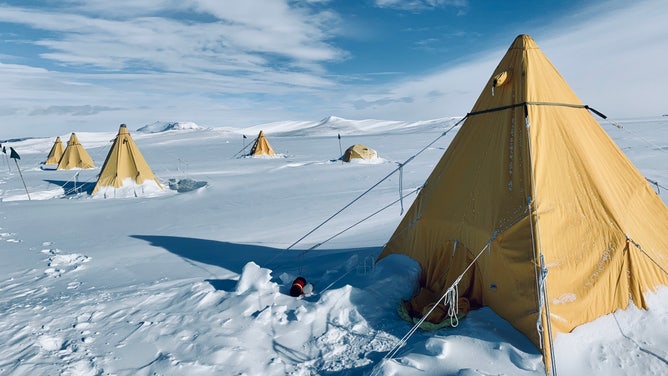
(24, 182)
(547, 320)
(539, 262)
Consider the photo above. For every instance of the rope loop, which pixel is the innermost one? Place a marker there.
(451, 302)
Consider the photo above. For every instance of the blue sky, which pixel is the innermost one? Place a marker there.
(89, 65)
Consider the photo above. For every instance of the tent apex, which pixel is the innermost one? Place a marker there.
(524, 41)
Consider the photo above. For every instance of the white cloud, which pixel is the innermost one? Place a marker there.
(616, 63)
(450, 92)
(234, 37)
(613, 56)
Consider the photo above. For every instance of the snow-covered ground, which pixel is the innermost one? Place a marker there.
(197, 283)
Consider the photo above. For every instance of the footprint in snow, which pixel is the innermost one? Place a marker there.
(73, 285)
(51, 251)
(62, 263)
(8, 237)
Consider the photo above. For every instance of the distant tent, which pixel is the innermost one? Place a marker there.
(358, 151)
(261, 146)
(124, 167)
(556, 224)
(75, 156)
(55, 154)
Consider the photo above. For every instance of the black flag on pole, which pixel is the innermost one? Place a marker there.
(340, 149)
(13, 154)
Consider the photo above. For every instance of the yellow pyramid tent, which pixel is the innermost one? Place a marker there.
(124, 167)
(261, 146)
(358, 151)
(55, 154)
(556, 224)
(75, 156)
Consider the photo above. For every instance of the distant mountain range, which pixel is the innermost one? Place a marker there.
(330, 125)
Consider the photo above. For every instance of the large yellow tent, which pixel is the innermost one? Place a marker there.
(124, 166)
(261, 146)
(55, 154)
(557, 225)
(75, 156)
(358, 151)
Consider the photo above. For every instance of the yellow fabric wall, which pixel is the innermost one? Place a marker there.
(75, 156)
(261, 146)
(56, 152)
(531, 173)
(124, 160)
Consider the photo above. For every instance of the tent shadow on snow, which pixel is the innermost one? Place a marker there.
(234, 257)
(226, 255)
(72, 188)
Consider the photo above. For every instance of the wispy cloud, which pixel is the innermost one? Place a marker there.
(420, 5)
(186, 36)
(361, 104)
(72, 110)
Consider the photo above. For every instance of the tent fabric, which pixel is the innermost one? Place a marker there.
(532, 176)
(75, 156)
(124, 164)
(261, 146)
(56, 153)
(360, 152)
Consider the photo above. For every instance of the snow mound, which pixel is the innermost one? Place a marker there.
(160, 126)
(373, 160)
(185, 185)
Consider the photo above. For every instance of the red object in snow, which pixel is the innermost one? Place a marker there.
(298, 286)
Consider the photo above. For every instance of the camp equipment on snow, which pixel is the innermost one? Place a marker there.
(358, 151)
(297, 286)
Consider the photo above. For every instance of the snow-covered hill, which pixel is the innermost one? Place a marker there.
(160, 126)
(333, 126)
